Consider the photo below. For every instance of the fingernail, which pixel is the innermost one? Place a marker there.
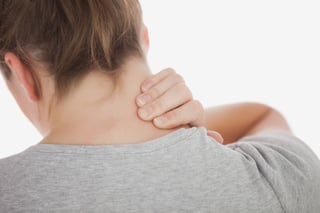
(144, 99)
(146, 112)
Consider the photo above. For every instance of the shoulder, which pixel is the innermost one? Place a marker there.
(279, 143)
(8, 167)
(290, 167)
(7, 162)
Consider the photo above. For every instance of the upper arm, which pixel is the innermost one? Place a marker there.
(288, 165)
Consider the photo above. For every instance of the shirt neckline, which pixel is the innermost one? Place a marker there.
(144, 147)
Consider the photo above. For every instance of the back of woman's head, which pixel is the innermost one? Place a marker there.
(70, 37)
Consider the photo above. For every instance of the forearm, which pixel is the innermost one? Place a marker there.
(235, 121)
(273, 120)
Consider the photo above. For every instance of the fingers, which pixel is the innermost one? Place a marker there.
(171, 99)
(167, 101)
(155, 79)
(168, 80)
(190, 111)
(215, 135)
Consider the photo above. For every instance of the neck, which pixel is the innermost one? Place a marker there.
(99, 111)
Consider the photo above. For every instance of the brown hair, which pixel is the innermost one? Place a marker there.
(70, 37)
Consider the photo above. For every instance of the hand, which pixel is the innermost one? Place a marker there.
(168, 103)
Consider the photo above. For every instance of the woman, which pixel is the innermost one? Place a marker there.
(77, 69)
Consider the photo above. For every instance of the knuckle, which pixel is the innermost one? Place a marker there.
(172, 117)
(184, 90)
(158, 107)
(170, 70)
(155, 92)
(189, 93)
(179, 78)
(197, 105)
(198, 113)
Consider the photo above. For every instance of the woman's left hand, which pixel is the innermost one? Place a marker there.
(167, 101)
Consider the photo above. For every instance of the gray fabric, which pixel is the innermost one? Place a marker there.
(185, 171)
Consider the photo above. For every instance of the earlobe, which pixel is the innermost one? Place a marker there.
(23, 76)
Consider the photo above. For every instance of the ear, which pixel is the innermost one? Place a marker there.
(145, 38)
(23, 75)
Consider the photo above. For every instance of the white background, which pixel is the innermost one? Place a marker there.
(227, 51)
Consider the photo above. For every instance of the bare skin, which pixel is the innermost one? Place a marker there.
(230, 122)
(138, 108)
(235, 121)
(96, 112)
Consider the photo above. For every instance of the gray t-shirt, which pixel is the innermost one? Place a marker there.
(185, 171)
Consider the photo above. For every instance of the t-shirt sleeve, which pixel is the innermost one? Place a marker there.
(290, 167)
